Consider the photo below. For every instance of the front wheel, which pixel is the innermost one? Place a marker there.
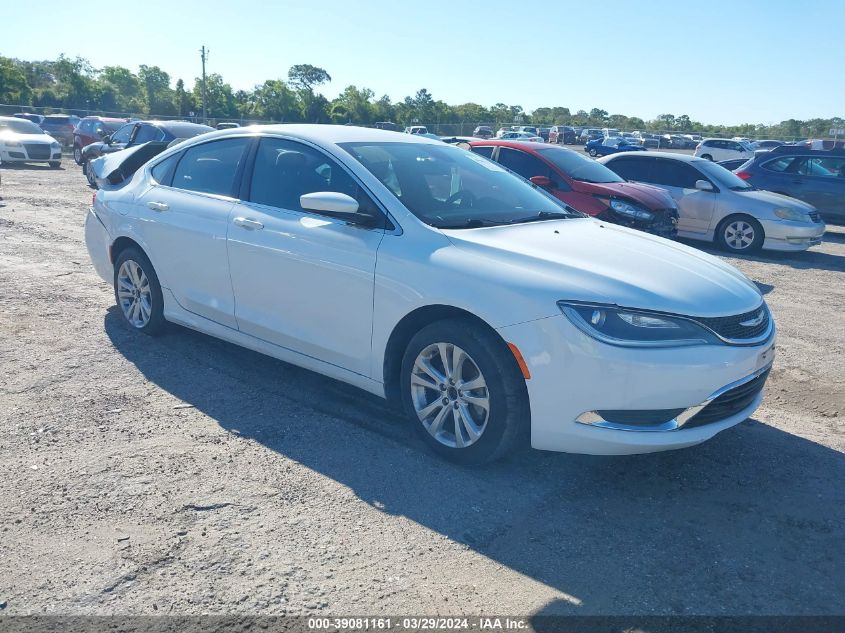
(740, 234)
(77, 154)
(707, 157)
(137, 292)
(463, 392)
(593, 153)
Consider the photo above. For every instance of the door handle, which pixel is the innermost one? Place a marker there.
(250, 225)
(158, 206)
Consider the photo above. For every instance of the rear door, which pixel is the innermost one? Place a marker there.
(184, 219)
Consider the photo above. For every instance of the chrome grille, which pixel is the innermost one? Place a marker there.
(37, 151)
(731, 327)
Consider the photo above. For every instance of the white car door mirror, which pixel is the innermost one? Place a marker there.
(703, 185)
(329, 202)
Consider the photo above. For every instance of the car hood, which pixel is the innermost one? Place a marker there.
(26, 138)
(774, 199)
(651, 197)
(589, 260)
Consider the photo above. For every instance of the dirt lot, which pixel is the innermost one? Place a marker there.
(185, 475)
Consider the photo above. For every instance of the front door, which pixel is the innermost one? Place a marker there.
(303, 280)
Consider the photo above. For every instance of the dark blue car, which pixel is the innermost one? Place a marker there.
(814, 176)
(610, 145)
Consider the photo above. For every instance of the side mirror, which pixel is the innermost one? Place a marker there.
(703, 185)
(338, 205)
(541, 181)
(107, 139)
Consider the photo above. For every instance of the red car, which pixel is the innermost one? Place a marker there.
(585, 185)
(92, 129)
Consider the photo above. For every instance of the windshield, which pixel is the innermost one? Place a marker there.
(722, 176)
(578, 167)
(20, 126)
(449, 187)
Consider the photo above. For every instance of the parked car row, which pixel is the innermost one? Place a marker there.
(676, 194)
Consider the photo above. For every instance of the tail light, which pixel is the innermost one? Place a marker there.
(745, 175)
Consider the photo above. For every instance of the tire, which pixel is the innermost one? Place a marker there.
(77, 154)
(492, 433)
(89, 176)
(740, 234)
(55, 164)
(707, 157)
(593, 153)
(129, 292)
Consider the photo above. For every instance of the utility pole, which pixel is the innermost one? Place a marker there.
(204, 57)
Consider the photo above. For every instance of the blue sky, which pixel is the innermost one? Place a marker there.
(758, 61)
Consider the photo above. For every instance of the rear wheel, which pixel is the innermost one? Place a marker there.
(593, 153)
(707, 157)
(137, 292)
(740, 234)
(463, 392)
(77, 154)
(89, 175)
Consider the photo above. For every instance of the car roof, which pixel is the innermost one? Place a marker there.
(787, 150)
(328, 134)
(684, 158)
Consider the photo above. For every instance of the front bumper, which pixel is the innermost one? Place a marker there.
(573, 375)
(10, 154)
(791, 236)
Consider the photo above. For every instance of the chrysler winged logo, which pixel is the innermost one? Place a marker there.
(756, 320)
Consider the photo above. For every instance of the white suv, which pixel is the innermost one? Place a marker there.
(723, 149)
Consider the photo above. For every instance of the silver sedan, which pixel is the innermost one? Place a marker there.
(716, 205)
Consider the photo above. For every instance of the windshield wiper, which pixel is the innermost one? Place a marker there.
(470, 223)
(544, 215)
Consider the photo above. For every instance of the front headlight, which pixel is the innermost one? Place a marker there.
(791, 214)
(55, 146)
(635, 328)
(629, 210)
(13, 143)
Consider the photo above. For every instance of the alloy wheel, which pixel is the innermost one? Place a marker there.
(450, 395)
(739, 235)
(77, 155)
(133, 294)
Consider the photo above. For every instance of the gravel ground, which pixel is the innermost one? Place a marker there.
(185, 475)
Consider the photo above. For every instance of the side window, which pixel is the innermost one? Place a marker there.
(674, 174)
(86, 127)
(631, 168)
(123, 134)
(523, 163)
(824, 167)
(285, 170)
(486, 151)
(779, 165)
(163, 172)
(210, 167)
(146, 134)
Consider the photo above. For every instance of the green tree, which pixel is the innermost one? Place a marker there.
(13, 85)
(307, 77)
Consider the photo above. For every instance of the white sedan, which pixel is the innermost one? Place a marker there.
(430, 275)
(22, 141)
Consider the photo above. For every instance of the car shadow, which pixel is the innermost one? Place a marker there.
(31, 167)
(749, 522)
(799, 260)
